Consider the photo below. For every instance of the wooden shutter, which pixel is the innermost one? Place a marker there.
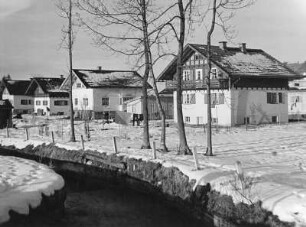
(192, 99)
(205, 98)
(221, 98)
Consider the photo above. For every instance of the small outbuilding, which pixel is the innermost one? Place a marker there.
(5, 113)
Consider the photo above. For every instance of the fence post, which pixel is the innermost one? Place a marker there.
(7, 131)
(154, 150)
(52, 135)
(27, 133)
(82, 140)
(115, 145)
(195, 157)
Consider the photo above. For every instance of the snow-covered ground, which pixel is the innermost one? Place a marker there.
(22, 183)
(272, 158)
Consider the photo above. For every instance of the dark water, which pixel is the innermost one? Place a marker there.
(112, 206)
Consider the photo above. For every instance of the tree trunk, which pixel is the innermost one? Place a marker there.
(163, 146)
(146, 138)
(209, 150)
(183, 146)
(72, 135)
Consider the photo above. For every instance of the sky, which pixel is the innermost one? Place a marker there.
(30, 37)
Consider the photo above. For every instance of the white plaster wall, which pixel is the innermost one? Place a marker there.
(198, 110)
(253, 104)
(16, 101)
(55, 109)
(81, 93)
(41, 106)
(114, 95)
(296, 108)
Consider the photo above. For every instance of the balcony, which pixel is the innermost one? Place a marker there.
(199, 84)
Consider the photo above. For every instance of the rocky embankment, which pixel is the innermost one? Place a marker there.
(169, 183)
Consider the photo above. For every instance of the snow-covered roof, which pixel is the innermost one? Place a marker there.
(250, 63)
(16, 87)
(108, 78)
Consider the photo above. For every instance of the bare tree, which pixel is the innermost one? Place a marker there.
(65, 8)
(222, 11)
(130, 27)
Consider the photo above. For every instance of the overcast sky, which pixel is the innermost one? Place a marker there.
(30, 34)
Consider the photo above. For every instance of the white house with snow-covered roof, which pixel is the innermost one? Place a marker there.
(247, 85)
(103, 92)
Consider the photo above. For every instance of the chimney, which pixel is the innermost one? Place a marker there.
(223, 45)
(62, 76)
(243, 47)
(99, 68)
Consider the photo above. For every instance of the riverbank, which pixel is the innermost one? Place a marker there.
(153, 177)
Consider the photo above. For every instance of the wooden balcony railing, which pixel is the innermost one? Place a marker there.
(199, 84)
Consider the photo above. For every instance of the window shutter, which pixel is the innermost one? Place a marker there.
(192, 99)
(221, 98)
(269, 97)
(205, 98)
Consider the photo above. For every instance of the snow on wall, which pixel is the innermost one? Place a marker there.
(22, 183)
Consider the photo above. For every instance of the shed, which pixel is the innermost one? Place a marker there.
(5, 113)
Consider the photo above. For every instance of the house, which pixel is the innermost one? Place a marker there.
(247, 85)
(47, 98)
(100, 93)
(15, 92)
(135, 105)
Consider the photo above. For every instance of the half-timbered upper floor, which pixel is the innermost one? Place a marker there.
(232, 67)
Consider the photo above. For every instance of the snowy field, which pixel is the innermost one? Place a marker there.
(22, 183)
(270, 158)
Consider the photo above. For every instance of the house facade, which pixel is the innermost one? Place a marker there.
(101, 93)
(47, 98)
(247, 85)
(15, 92)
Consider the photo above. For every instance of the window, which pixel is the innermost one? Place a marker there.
(78, 85)
(214, 120)
(60, 103)
(85, 101)
(105, 101)
(37, 103)
(213, 73)
(76, 101)
(275, 98)
(45, 103)
(189, 99)
(23, 102)
(296, 84)
(199, 74)
(187, 119)
(216, 98)
(186, 75)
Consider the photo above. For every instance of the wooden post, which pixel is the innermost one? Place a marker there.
(154, 150)
(27, 133)
(115, 145)
(82, 140)
(195, 157)
(7, 131)
(52, 135)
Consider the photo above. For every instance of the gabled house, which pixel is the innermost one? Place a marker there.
(248, 85)
(101, 93)
(48, 99)
(15, 92)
